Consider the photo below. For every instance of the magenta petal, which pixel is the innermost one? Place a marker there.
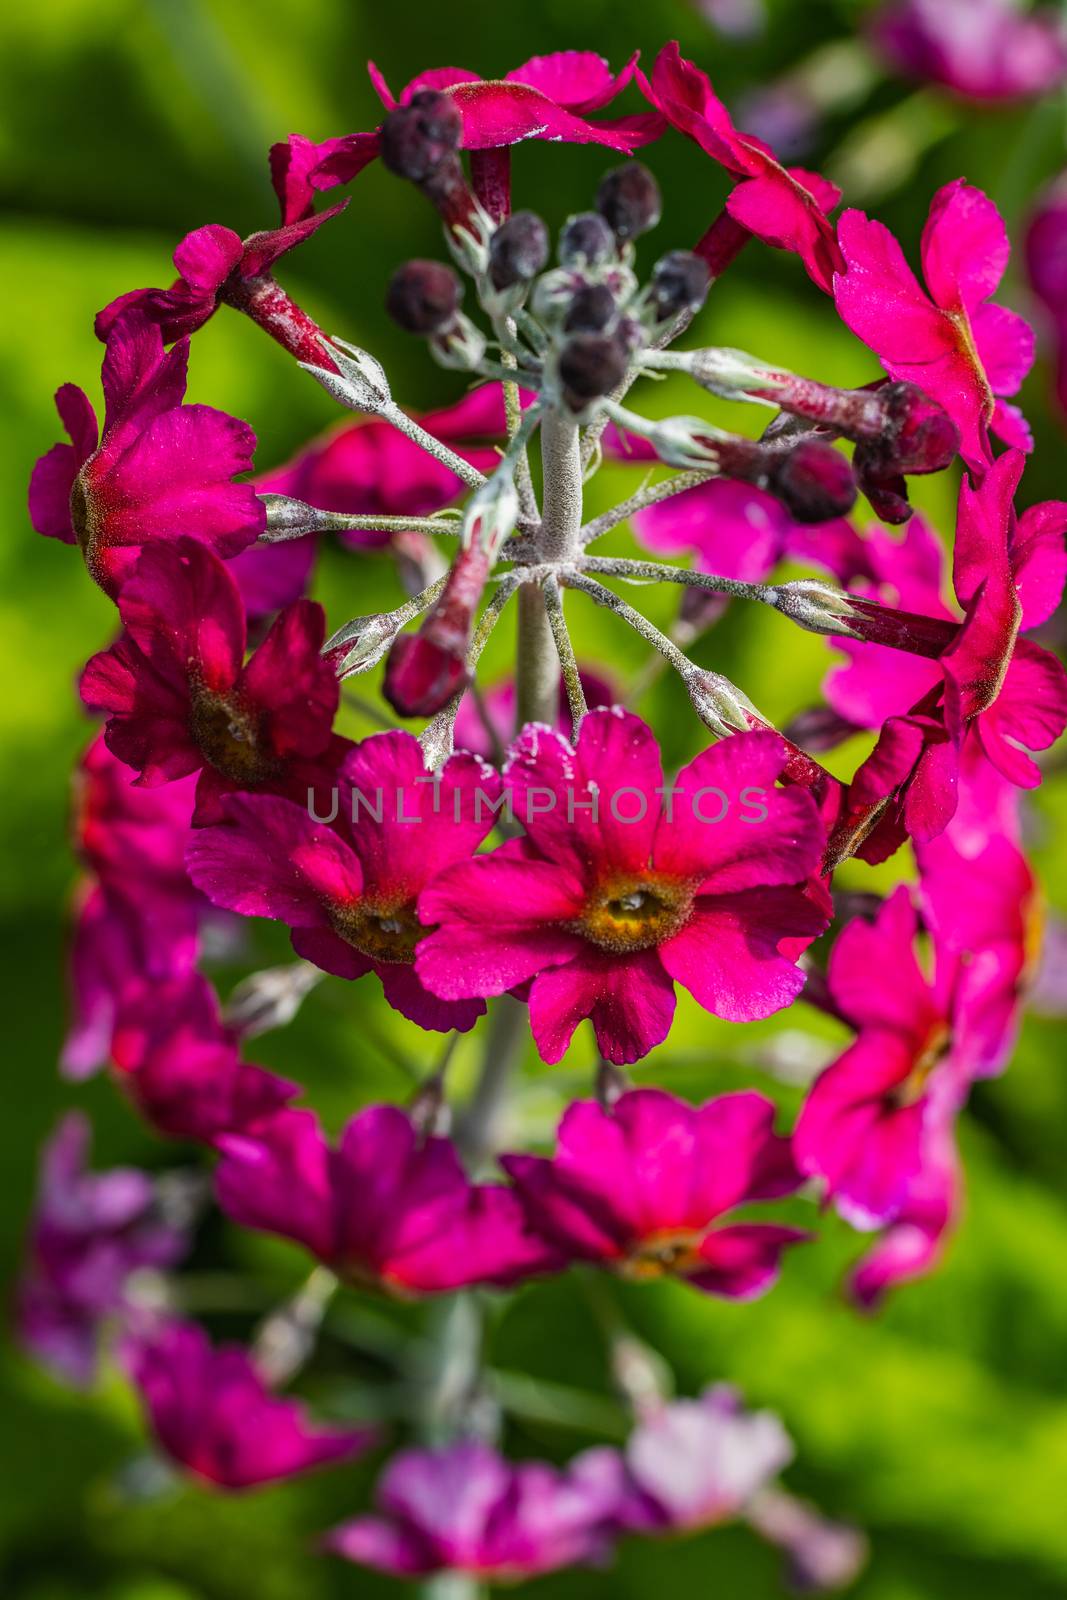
(629, 1000)
(278, 1180)
(764, 835)
(206, 257)
(271, 860)
(728, 956)
(581, 80)
(54, 473)
(874, 974)
(965, 246)
(1039, 560)
(289, 680)
(504, 113)
(743, 1261)
(406, 993)
(1005, 344)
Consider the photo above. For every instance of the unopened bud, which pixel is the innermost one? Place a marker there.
(718, 703)
(417, 138)
(585, 241)
(629, 200)
(591, 365)
(680, 282)
(518, 250)
(423, 296)
(814, 481)
(460, 346)
(591, 311)
(422, 675)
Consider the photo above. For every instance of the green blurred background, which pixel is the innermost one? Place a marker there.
(940, 1426)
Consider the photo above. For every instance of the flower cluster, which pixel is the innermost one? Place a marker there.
(528, 854)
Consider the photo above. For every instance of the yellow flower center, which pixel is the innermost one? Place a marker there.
(663, 1255)
(230, 738)
(635, 913)
(383, 932)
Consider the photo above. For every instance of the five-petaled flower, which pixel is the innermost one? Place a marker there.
(213, 1414)
(621, 886)
(349, 893)
(387, 1208)
(963, 351)
(180, 697)
(646, 1188)
(160, 469)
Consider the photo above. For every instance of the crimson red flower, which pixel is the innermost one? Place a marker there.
(161, 470)
(180, 697)
(785, 207)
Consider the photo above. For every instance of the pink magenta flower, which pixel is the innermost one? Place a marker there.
(981, 49)
(137, 915)
(387, 1208)
(548, 97)
(947, 338)
(212, 1413)
(785, 207)
(868, 1122)
(599, 916)
(913, 1243)
(181, 1068)
(988, 688)
(180, 697)
(90, 1232)
(349, 894)
(213, 264)
(643, 1187)
(160, 470)
(692, 1464)
(464, 1508)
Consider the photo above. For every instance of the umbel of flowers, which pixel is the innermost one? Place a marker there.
(551, 872)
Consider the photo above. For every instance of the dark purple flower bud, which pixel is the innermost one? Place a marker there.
(421, 675)
(417, 138)
(680, 282)
(884, 487)
(814, 481)
(518, 250)
(591, 311)
(586, 240)
(423, 296)
(590, 365)
(920, 434)
(629, 200)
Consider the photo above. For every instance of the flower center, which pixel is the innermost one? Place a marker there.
(662, 1255)
(636, 913)
(382, 932)
(230, 738)
(81, 513)
(933, 1053)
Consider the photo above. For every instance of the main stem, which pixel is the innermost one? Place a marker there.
(537, 666)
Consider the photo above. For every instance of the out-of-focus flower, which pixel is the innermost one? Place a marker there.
(1046, 265)
(692, 1464)
(646, 1189)
(783, 207)
(90, 1232)
(349, 894)
(137, 916)
(161, 470)
(877, 1116)
(211, 1412)
(947, 338)
(615, 893)
(464, 1508)
(387, 1208)
(180, 1065)
(180, 697)
(980, 49)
